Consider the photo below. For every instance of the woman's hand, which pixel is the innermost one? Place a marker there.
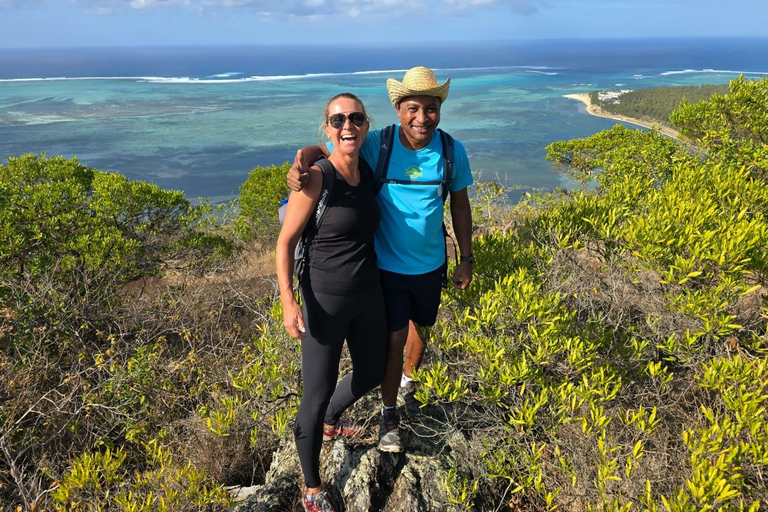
(293, 319)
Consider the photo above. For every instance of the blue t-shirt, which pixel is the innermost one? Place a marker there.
(410, 236)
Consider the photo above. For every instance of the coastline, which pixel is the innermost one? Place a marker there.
(597, 111)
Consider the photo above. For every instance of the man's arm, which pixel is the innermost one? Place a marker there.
(461, 213)
(299, 172)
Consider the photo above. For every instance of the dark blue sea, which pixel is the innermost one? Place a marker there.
(198, 119)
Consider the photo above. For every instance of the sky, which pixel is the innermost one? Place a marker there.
(99, 23)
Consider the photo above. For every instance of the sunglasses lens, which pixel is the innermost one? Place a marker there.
(357, 118)
(338, 120)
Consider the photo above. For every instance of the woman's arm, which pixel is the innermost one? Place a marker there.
(300, 207)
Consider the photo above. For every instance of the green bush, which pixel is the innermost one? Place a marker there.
(74, 242)
(611, 353)
(99, 481)
(259, 200)
(614, 349)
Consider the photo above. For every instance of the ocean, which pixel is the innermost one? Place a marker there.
(199, 119)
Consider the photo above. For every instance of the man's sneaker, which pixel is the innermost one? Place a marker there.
(317, 502)
(343, 429)
(389, 432)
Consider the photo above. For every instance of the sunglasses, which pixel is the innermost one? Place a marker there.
(338, 120)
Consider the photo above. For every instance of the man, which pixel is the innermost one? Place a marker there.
(410, 242)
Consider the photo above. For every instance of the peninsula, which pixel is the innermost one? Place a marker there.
(596, 110)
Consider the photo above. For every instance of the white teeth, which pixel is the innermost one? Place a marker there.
(348, 137)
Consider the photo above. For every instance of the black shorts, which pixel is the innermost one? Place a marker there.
(411, 297)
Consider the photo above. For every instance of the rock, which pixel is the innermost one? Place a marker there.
(240, 493)
(359, 478)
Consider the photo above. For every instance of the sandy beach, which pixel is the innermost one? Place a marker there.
(597, 111)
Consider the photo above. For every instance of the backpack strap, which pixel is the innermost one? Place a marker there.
(448, 159)
(385, 151)
(313, 226)
(329, 179)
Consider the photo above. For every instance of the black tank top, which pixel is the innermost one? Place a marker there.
(342, 260)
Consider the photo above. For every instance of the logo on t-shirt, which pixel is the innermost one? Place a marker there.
(413, 172)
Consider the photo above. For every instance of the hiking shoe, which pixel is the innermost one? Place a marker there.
(317, 502)
(405, 393)
(406, 397)
(389, 432)
(343, 429)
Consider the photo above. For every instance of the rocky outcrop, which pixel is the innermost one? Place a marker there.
(360, 478)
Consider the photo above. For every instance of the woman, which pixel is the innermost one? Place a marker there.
(341, 293)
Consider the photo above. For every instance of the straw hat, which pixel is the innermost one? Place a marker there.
(418, 81)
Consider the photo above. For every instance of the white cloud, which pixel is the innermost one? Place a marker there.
(524, 7)
(152, 4)
(33, 4)
(301, 8)
(100, 11)
(142, 4)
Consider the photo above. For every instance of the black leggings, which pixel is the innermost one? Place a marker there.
(330, 319)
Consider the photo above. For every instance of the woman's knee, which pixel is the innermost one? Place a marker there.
(313, 405)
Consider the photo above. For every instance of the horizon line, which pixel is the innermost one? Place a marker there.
(383, 43)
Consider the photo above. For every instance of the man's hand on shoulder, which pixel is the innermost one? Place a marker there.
(298, 175)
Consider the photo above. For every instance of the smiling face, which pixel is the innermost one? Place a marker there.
(419, 117)
(348, 137)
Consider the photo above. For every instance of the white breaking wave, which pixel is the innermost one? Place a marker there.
(724, 71)
(228, 78)
(226, 75)
(70, 78)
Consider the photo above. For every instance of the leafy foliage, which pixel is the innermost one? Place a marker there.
(259, 200)
(611, 353)
(617, 154)
(75, 242)
(625, 318)
(79, 231)
(733, 127)
(741, 115)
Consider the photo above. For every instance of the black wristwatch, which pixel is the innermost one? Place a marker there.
(469, 258)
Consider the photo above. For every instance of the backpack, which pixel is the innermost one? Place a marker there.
(301, 253)
(444, 185)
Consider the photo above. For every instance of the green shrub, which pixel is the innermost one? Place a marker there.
(78, 371)
(100, 481)
(68, 233)
(259, 200)
(611, 353)
(614, 348)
